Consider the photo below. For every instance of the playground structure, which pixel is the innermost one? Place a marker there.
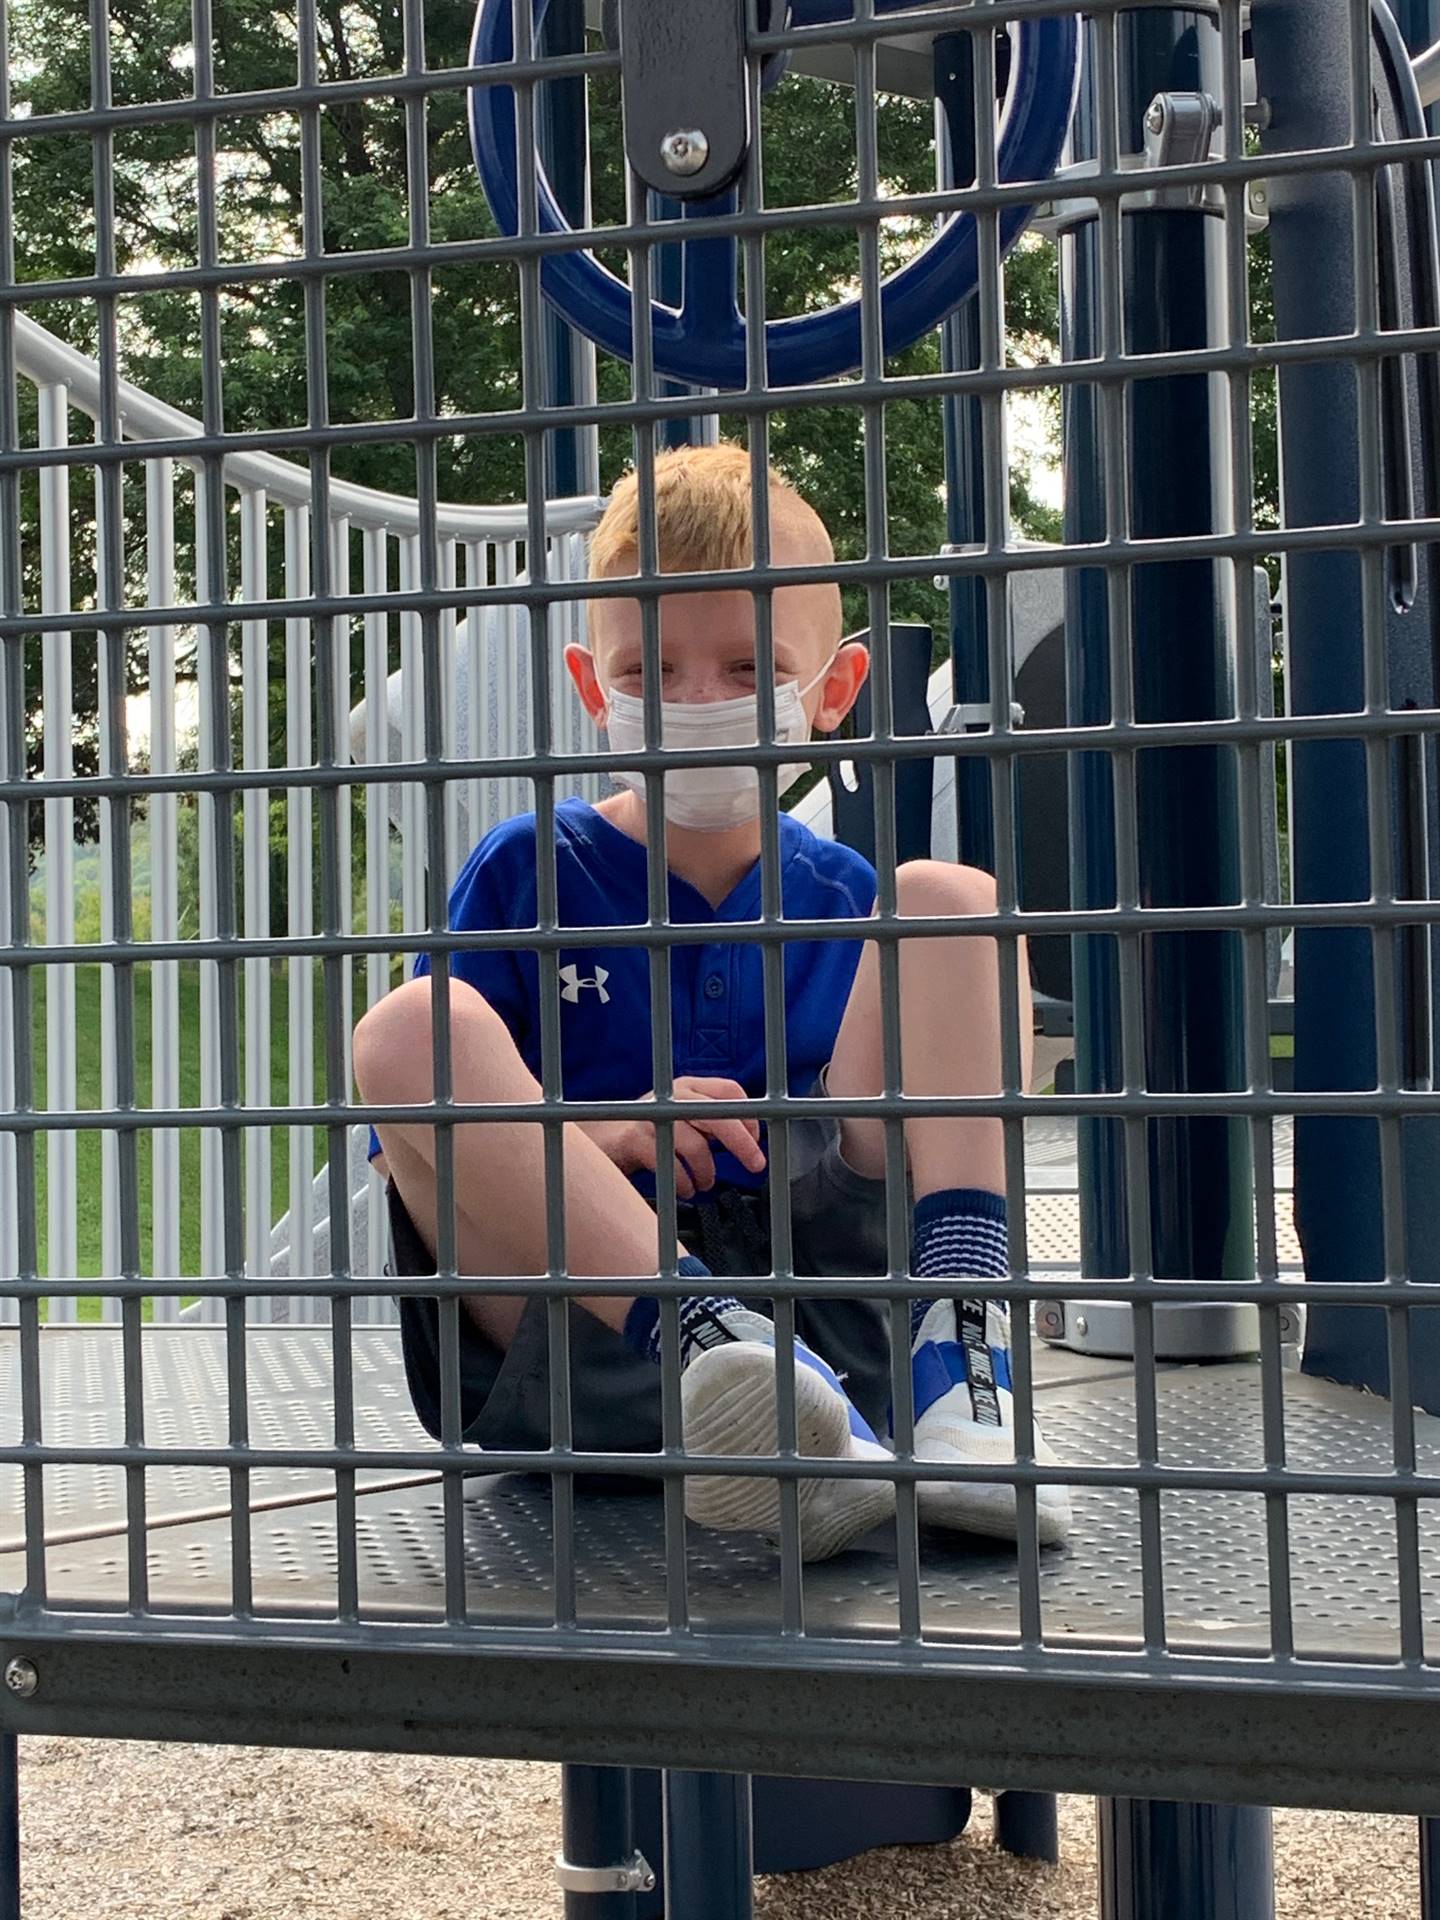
(1247, 1614)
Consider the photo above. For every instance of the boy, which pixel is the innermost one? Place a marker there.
(949, 1017)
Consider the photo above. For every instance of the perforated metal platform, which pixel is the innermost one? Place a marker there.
(1343, 1580)
(290, 1397)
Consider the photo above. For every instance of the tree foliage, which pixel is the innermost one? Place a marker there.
(473, 309)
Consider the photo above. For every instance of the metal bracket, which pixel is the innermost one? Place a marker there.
(963, 716)
(635, 1876)
(687, 100)
(1180, 129)
(1188, 1331)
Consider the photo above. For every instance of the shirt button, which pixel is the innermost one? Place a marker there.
(714, 987)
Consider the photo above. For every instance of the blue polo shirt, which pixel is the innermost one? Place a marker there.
(717, 1003)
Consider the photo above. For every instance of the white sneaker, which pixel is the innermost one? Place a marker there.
(728, 1406)
(965, 1414)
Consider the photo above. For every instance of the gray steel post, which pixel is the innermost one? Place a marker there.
(572, 458)
(954, 64)
(708, 1848)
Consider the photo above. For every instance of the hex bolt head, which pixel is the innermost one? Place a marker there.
(1049, 1321)
(21, 1678)
(1155, 117)
(685, 151)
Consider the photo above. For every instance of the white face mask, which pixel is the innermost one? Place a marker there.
(710, 799)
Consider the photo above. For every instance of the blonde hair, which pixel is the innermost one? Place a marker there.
(703, 516)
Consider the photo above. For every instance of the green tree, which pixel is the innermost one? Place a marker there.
(809, 156)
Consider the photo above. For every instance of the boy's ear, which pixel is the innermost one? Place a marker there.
(848, 673)
(580, 664)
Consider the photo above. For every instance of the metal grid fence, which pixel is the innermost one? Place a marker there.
(518, 1585)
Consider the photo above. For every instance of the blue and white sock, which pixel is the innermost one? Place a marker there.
(706, 1319)
(709, 1319)
(955, 1342)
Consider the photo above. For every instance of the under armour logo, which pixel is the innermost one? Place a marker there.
(573, 983)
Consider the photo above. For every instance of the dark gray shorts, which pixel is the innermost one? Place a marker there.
(837, 1230)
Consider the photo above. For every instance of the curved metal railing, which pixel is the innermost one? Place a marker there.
(378, 674)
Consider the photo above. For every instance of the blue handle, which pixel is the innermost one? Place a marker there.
(702, 341)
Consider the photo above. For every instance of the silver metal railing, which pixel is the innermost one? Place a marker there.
(378, 677)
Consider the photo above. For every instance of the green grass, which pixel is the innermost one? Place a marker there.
(88, 1143)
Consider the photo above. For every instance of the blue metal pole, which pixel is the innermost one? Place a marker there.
(1163, 1860)
(708, 1847)
(1183, 647)
(572, 462)
(597, 1830)
(1028, 1825)
(954, 66)
(1302, 52)
(9, 1827)
(1430, 1870)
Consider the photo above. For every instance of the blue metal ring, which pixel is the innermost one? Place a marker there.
(703, 342)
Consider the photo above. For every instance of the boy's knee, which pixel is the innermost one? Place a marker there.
(391, 1039)
(933, 887)
(393, 1048)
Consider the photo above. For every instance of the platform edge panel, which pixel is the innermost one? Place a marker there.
(1360, 1742)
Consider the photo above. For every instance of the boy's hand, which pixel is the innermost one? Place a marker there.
(631, 1143)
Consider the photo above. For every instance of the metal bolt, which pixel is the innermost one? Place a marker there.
(1049, 1321)
(1082, 1325)
(21, 1678)
(1155, 117)
(1259, 196)
(685, 151)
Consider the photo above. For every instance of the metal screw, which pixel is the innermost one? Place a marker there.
(1082, 1325)
(21, 1678)
(1049, 1321)
(1259, 197)
(685, 151)
(1155, 117)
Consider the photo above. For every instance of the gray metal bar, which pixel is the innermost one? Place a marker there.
(1365, 1741)
(657, 903)
(849, 214)
(534, 339)
(120, 1195)
(772, 910)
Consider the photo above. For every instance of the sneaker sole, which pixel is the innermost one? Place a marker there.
(975, 1507)
(728, 1402)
